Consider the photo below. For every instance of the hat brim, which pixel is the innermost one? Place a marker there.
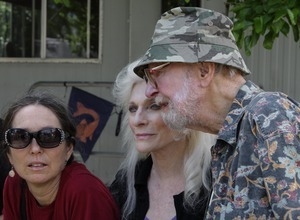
(192, 53)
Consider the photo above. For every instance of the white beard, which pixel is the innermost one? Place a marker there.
(183, 109)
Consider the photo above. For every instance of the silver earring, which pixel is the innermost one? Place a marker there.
(12, 173)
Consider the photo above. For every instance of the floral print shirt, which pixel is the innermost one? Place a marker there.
(256, 160)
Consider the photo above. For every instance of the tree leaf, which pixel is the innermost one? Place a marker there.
(259, 9)
(296, 12)
(271, 3)
(296, 32)
(245, 13)
(269, 39)
(254, 39)
(267, 19)
(66, 3)
(279, 15)
(285, 28)
(238, 7)
(291, 16)
(239, 36)
(242, 24)
(291, 3)
(258, 24)
(247, 46)
(277, 26)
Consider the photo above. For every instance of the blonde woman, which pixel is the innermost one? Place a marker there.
(166, 173)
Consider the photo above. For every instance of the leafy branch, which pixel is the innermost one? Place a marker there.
(264, 18)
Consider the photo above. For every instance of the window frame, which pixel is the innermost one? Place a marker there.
(43, 59)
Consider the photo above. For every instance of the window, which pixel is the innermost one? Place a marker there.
(169, 4)
(50, 28)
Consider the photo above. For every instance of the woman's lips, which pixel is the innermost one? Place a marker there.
(37, 165)
(143, 136)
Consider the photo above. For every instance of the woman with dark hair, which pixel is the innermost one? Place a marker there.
(45, 182)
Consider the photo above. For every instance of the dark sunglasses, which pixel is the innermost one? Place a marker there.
(46, 138)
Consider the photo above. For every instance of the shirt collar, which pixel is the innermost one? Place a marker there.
(245, 94)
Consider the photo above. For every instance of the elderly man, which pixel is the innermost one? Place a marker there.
(197, 74)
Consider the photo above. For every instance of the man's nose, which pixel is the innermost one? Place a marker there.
(151, 91)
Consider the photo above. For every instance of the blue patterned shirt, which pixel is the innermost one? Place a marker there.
(256, 160)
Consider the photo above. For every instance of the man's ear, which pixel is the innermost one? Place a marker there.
(207, 72)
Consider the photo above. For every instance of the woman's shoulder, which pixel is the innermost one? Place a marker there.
(76, 176)
(13, 182)
(82, 191)
(12, 188)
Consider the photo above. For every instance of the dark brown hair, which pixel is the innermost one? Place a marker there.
(49, 101)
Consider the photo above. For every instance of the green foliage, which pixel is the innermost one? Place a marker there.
(264, 18)
(72, 19)
(67, 3)
(4, 19)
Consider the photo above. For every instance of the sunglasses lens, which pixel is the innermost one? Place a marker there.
(48, 138)
(148, 78)
(17, 138)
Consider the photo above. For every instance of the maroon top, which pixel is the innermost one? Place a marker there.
(81, 195)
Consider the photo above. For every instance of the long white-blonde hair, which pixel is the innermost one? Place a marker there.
(197, 154)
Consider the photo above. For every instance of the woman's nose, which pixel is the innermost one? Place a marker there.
(140, 118)
(34, 147)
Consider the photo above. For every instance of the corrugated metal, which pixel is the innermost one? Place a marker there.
(277, 69)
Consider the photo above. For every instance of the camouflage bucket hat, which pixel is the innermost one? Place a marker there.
(191, 35)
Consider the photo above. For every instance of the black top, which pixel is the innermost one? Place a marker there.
(143, 168)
